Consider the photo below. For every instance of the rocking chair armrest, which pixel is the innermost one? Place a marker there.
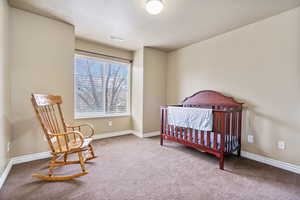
(90, 126)
(69, 133)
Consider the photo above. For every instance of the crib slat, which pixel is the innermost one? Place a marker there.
(165, 121)
(202, 137)
(216, 129)
(191, 135)
(228, 131)
(236, 128)
(208, 142)
(184, 136)
(221, 127)
(167, 129)
(215, 140)
(196, 137)
(187, 134)
(223, 132)
(174, 131)
(234, 118)
(239, 132)
(215, 122)
(231, 130)
(180, 132)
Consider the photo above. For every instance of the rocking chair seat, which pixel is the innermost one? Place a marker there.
(74, 145)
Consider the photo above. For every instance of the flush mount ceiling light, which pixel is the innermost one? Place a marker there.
(154, 7)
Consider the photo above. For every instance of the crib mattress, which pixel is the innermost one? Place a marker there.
(231, 141)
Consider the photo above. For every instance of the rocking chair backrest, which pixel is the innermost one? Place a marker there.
(49, 113)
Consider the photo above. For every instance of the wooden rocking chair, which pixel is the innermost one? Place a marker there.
(62, 138)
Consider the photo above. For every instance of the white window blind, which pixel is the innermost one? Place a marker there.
(102, 87)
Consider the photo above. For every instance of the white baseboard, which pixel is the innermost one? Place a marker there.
(145, 135)
(5, 173)
(272, 162)
(30, 157)
(151, 134)
(112, 134)
(137, 133)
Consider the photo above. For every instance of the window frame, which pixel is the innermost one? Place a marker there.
(91, 115)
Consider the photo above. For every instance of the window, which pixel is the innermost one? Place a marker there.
(101, 87)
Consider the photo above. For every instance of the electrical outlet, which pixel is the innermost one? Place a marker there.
(250, 139)
(281, 145)
(110, 123)
(45, 139)
(8, 146)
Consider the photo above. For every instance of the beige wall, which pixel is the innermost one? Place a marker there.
(4, 85)
(155, 65)
(148, 89)
(137, 90)
(42, 62)
(258, 64)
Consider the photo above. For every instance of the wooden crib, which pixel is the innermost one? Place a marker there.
(225, 137)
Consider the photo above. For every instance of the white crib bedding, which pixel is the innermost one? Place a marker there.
(189, 117)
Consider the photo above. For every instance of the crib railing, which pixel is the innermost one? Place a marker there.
(224, 138)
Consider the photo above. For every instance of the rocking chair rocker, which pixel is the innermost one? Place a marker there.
(63, 139)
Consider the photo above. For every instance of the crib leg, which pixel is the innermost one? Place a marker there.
(221, 162)
(161, 140)
(239, 152)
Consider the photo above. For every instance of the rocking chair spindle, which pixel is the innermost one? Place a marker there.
(63, 139)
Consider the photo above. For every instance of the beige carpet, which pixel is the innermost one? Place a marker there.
(132, 168)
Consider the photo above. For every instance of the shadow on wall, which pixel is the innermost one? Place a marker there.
(27, 137)
(267, 130)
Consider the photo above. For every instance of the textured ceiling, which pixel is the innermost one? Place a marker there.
(181, 23)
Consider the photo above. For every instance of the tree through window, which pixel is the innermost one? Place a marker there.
(101, 87)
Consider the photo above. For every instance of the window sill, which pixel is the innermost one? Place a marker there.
(95, 115)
